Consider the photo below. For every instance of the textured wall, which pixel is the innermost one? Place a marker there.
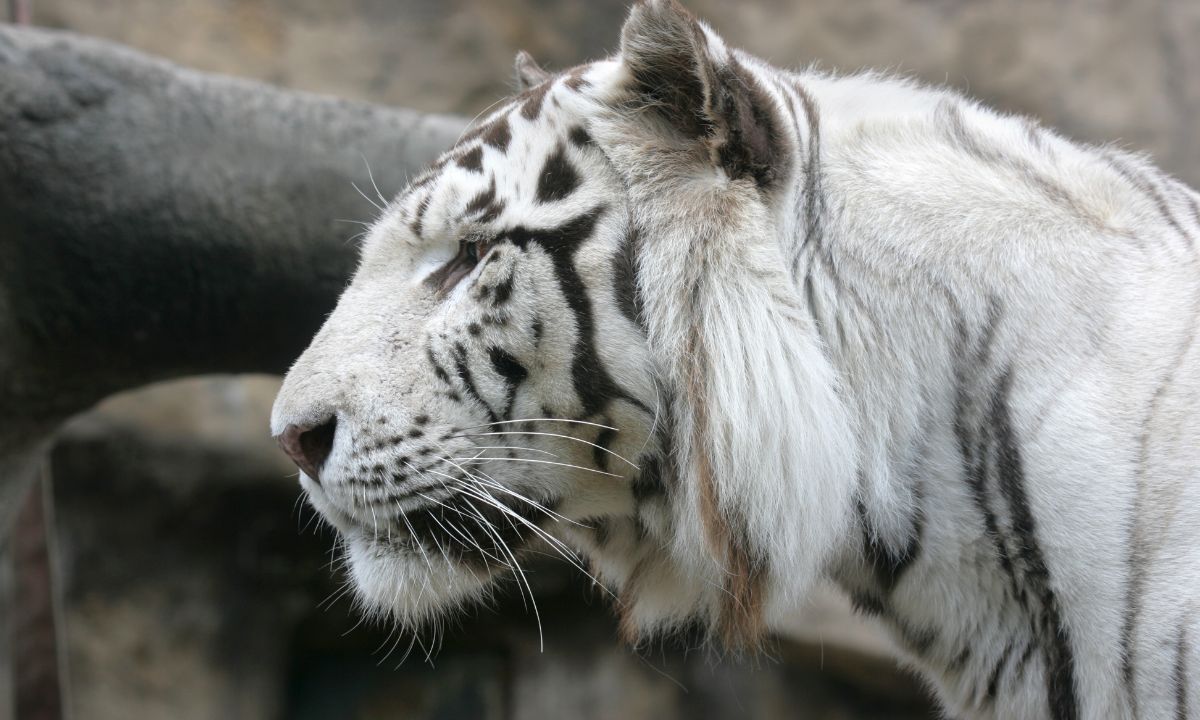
(1101, 70)
(190, 593)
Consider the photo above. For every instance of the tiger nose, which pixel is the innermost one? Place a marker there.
(309, 447)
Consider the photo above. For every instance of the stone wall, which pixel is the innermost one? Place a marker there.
(1100, 70)
(194, 588)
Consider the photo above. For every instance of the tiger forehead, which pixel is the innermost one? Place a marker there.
(522, 152)
(512, 130)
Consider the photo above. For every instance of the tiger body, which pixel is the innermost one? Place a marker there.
(729, 332)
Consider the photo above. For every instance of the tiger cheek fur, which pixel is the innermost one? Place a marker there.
(727, 332)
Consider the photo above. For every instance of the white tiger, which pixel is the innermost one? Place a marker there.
(728, 331)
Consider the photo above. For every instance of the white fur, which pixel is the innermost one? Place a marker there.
(974, 273)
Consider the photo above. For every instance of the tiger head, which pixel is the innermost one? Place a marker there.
(566, 334)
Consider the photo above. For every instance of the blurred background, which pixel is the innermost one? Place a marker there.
(195, 583)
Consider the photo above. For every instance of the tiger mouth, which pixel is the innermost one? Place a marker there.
(484, 528)
(476, 531)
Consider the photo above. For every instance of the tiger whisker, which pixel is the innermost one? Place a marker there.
(477, 458)
(540, 462)
(510, 447)
(371, 175)
(374, 204)
(503, 547)
(482, 494)
(527, 420)
(557, 545)
(527, 500)
(487, 497)
(620, 457)
(329, 601)
(487, 526)
(412, 533)
(466, 539)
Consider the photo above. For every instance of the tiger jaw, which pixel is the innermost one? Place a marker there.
(446, 549)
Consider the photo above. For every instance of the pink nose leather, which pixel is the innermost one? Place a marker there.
(308, 447)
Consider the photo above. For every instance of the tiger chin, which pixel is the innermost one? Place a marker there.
(716, 333)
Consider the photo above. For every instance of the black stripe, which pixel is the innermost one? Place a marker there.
(602, 528)
(472, 159)
(994, 676)
(419, 216)
(558, 178)
(513, 372)
(1060, 661)
(649, 482)
(579, 137)
(890, 563)
(1147, 187)
(603, 440)
(593, 384)
(960, 660)
(498, 133)
(503, 291)
(482, 201)
(438, 370)
(463, 370)
(533, 99)
(812, 195)
(625, 288)
(495, 133)
(1181, 689)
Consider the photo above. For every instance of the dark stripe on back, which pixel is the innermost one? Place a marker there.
(812, 196)
(1060, 661)
(1181, 689)
(890, 563)
(997, 671)
(503, 291)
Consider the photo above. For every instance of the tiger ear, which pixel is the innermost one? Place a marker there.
(528, 73)
(681, 70)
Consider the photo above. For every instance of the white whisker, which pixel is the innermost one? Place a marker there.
(527, 420)
(374, 204)
(509, 447)
(620, 457)
(371, 175)
(539, 462)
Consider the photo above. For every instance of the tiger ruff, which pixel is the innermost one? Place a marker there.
(728, 331)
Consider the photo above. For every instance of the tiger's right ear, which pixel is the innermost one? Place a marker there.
(683, 72)
(671, 63)
(528, 73)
